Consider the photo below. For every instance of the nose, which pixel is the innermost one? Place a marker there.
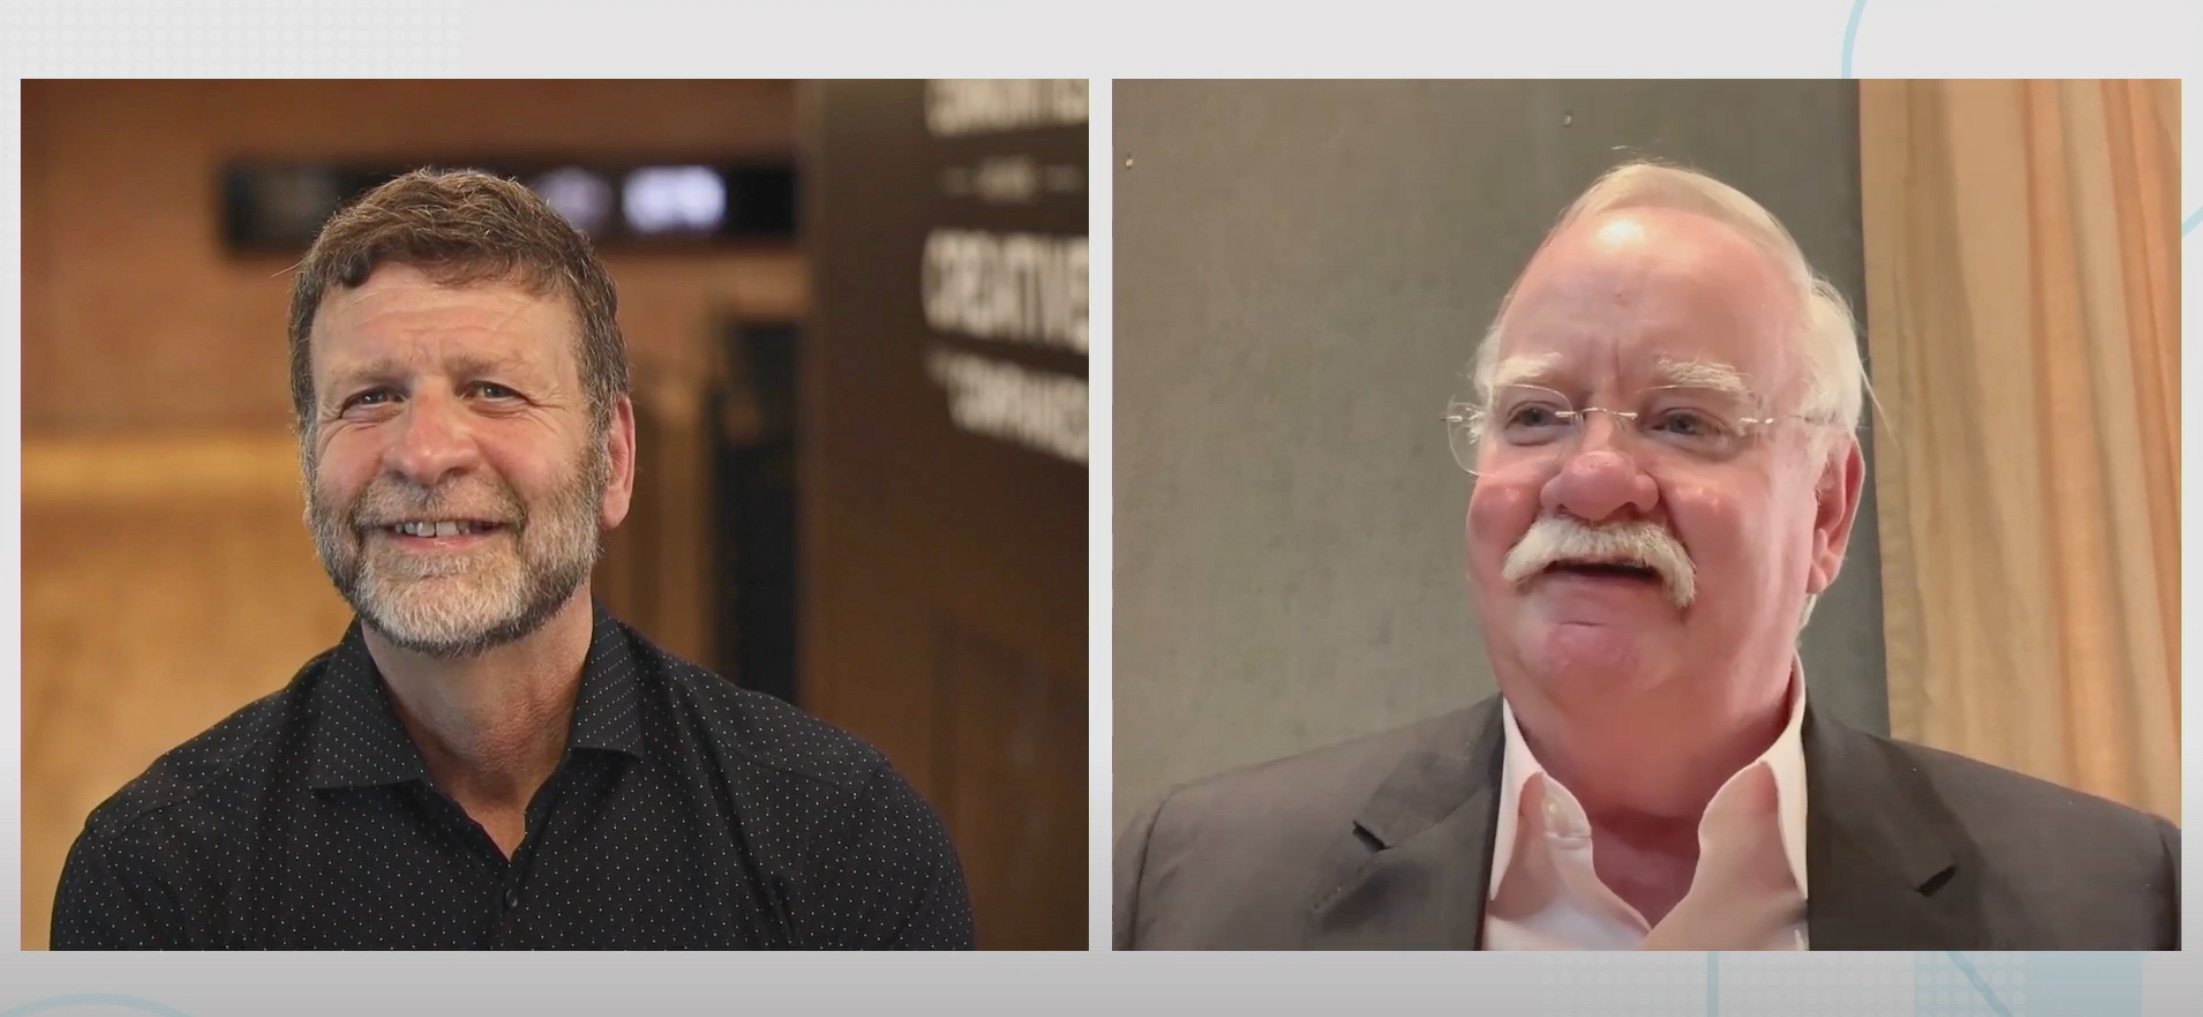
(1598, 481)
(431, 443)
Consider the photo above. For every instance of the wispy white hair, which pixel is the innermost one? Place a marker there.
(1834, 386)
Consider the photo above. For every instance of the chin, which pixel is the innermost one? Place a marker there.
(451, 609)
(1571, 660)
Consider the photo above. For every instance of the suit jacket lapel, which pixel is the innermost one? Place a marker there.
(1429, 825)
(1881, 851)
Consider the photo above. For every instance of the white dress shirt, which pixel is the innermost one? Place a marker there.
(1748, 892)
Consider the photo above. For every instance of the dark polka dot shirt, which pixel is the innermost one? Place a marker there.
(687, 813)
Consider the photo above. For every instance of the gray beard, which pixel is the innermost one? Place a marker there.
(505, 599)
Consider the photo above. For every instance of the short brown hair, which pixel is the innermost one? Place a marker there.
(463, 227)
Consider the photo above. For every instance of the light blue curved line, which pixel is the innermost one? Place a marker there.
(1851, 34)
(95, 999)
(1981, 986)
(2193, 218)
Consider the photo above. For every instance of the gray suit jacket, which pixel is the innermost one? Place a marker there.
(1386, 843)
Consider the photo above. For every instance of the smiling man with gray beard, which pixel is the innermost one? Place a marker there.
(488, 759)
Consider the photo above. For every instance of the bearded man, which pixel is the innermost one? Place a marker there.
(488, 759)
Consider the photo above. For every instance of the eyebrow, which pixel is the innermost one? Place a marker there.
(1524, 368)
(1702, 374)
(389, 370)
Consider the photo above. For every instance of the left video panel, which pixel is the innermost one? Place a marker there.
(555, 515)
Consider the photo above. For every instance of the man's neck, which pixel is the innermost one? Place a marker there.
(1659, 761)
(1645, 781)
(492, 727)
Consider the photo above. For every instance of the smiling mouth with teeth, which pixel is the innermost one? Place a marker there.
(440, 528)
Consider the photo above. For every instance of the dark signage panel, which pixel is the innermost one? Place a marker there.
(944, 467)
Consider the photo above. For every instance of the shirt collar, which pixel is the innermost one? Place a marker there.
(608, 711)
(356, 740)
(1784, 760)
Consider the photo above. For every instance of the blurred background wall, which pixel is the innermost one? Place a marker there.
(168, 578)
(944, 466)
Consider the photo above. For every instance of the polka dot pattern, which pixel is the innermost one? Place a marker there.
(688, 813)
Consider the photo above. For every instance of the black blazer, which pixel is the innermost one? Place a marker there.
(1386, 843)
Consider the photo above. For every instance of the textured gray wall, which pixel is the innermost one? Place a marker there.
(1302, 269)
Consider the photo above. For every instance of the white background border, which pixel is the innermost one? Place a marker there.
(1101, 39)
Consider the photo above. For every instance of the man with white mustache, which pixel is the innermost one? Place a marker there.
(1560, 539)
(488, 759)
(1663, 438)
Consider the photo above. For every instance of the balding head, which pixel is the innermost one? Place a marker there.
(1633, 201)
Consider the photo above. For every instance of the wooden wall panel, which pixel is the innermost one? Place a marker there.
(165, 585)
(134, 318)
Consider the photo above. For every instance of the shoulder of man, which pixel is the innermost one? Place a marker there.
(1310, 794)
(745, 727)
(2060, 868)
(1984, 798)
(172, 839)
(870, 859)
(209, 769)
(1233, 859)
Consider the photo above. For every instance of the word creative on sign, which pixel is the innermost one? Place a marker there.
(1014, 287)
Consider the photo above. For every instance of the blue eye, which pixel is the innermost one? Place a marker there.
(1689, 424)
(495, 391)
(1533, 416)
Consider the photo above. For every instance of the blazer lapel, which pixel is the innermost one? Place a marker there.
(1429, 826)
(1879, 852)
(1883, 855)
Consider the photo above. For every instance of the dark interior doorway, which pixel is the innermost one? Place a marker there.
(754, 499)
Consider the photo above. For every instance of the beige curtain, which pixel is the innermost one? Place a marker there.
(2022, 312)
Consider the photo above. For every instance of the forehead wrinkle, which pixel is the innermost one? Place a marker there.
(490, 306)
(388, 366)
(387, 344)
